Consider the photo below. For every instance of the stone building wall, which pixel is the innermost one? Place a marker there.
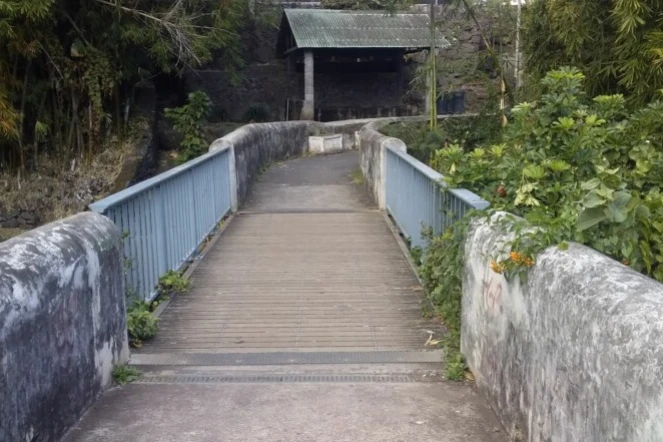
(263, 85)
(266, 82)
(268, 86)
(24, 219)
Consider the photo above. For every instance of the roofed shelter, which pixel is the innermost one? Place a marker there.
(338, 43)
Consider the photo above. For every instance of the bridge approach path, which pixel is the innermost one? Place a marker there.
(302, 323)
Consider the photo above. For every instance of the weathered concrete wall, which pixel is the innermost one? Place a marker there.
(373, 159)
(324, 144)
(256, 146)
(573, 354)
(347, 128)
(266, 86)
(371, 144)
(62, 324)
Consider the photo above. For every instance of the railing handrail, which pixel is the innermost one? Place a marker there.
(104, 204)
(465, 195)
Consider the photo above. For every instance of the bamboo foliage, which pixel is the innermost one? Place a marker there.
(67, 68)
(618, 44)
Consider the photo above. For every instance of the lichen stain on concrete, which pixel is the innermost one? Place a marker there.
(574, 353)
(62, 324)
(104, 360)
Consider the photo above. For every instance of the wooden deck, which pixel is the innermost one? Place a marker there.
(288, 276)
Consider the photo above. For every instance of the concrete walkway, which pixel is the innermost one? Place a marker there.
(302, 323)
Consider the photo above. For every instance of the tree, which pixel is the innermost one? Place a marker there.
(68, 67)
(618, 44)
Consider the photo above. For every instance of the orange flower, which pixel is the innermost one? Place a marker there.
(496, 267)
(515, 256)
(528, 262)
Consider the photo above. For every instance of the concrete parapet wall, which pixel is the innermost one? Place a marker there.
(324, 144)
(256, 146)
(572, 354)
(62, 324)
(373, 159)
(371, 144)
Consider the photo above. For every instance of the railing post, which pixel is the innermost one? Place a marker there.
(232, 178)
(215, 190)
(382, 192)
(160, 226)
(194, 207)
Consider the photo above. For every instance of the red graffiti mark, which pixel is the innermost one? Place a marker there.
(494, 295)
(491, 290)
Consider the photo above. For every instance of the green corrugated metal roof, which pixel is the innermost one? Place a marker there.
(323, 28)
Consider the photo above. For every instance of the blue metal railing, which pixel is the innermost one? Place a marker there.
(415, 200)
(166, 218)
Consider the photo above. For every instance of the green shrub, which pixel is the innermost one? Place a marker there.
(141, 324)
(441, 273)
(455, 367)
(579, 169)
(586, 170)
(188, 121)
(123, 374)
(467, 132)
(172, 282)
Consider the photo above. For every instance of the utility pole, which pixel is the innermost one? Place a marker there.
(517, 67)
(432, 89)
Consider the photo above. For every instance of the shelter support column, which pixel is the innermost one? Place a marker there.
(308, 109)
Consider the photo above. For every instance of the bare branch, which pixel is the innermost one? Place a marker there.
(177, 24)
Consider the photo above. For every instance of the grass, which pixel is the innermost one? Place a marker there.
(357, 176)
(124, 374)
(7, 233)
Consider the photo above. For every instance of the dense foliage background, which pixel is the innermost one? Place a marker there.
(617, 44)
(68, 68)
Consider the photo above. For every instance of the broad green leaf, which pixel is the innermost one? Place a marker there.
(621, 199)
(646, 254)
(592, 200)
(528, 188)
(617, 214)
(589, 218)
(605, 192)
(534, 171)
(564, 123)
(591, 184)
(559, 166)
(531, 201)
